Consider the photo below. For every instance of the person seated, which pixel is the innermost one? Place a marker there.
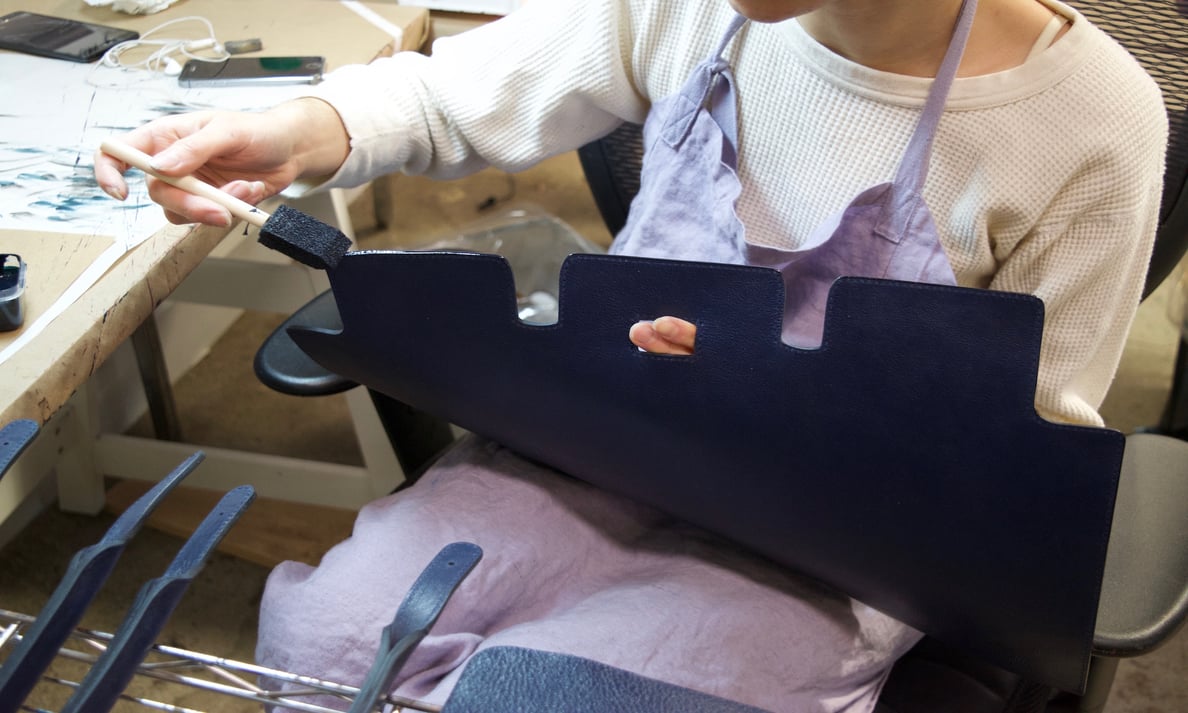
(1001, 144)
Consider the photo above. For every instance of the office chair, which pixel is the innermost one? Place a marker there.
(1153, 494)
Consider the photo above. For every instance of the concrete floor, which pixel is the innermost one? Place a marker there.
(222, 404)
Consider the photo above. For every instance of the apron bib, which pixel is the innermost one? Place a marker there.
(689, 187)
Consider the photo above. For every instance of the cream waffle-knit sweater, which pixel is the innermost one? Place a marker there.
(1045, 179)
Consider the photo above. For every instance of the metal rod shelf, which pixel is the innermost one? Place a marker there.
(194, 670)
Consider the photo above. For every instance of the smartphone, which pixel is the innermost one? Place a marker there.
(59, 37)
(239, 71)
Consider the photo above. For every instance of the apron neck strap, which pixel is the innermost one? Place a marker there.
(722, 100)
(709, 88)
(913, 169)
(735, 25)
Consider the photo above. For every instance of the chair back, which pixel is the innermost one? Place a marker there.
(612, 166)
(1156, 33)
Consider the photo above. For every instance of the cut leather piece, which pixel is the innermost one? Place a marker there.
(415, 617)
(509, 679)
(15, 437)
(86, 574)
(920, 471)
(154, 604)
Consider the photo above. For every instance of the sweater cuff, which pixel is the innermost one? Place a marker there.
(375, 110)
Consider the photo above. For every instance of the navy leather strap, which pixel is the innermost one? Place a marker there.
(88, 570)
(154, 604)
(14, 439)
(508, 679)
(416, 615)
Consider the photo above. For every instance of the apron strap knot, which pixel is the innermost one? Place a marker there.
(697, 94)
(711, 87)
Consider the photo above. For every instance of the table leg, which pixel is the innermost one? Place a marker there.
(154, 375)
(80, 484)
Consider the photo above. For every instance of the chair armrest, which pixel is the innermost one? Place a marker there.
(1144, 596)
(282, 366)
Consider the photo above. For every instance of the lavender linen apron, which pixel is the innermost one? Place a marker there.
(685, 208)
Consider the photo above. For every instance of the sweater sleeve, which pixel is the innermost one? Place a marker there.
(1088, 264)
(543, 80)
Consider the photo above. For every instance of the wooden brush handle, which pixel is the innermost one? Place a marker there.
(134, 157)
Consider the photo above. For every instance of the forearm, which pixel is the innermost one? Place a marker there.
(544, 80)
(320, 140)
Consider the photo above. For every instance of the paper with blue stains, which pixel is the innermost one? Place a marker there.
(53, 117)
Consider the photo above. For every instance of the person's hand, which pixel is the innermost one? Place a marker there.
(664, 335)
(249, 155)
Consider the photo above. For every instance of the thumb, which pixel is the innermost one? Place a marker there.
(187, 155)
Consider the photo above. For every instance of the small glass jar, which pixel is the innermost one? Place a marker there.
(12, 290)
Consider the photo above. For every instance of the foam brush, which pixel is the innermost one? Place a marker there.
(287, 230)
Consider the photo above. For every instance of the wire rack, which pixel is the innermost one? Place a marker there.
(186, 671)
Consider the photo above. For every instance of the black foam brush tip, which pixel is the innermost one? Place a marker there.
(304, 238)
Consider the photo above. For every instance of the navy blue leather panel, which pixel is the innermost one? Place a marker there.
(902, 462)
(418, 611)
(508, 679)
(155, 602)
(15, 437)
(86, 574)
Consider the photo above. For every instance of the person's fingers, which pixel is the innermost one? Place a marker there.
(642, 335)
(176, 218)
(647, 337)
(182, 207)
(149, 138)
(247, 191)
(109, 170)
(186, 155)
(676, 331)
(206, 139)
(109, 174)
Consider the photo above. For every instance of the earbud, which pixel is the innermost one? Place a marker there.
(200, 44)
(172, 68)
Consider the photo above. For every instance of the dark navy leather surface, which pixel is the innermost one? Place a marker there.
(902, 462)
(508, 679)
(88, 571)
(414, 618)
(15, 437)
(155, 602)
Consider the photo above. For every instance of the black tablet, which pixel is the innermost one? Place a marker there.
(59, 37)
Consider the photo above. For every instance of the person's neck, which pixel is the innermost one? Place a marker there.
(910, 36)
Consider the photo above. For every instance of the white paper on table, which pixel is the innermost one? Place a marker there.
(53, 116)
